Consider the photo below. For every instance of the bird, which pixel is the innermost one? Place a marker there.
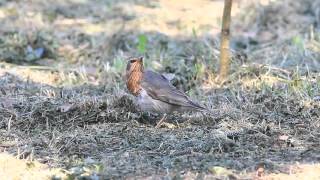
(154, 93)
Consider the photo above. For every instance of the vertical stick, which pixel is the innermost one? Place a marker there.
(225, 39)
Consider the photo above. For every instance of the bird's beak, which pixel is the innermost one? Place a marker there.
(140, 58)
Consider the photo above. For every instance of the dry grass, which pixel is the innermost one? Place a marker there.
(68, 108)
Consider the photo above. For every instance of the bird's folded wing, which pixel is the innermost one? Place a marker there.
(158, 87)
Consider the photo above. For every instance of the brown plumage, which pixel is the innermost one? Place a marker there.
(154, 92)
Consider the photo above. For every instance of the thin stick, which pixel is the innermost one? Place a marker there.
(225, 41)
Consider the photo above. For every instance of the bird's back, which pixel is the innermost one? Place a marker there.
(159, 88)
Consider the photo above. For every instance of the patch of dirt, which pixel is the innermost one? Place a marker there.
(14, 168)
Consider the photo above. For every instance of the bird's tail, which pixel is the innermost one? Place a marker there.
(204, 110)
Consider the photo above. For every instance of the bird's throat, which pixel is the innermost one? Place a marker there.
(134, 81)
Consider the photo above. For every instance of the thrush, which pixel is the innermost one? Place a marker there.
(154, 93)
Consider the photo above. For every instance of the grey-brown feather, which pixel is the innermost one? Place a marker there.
(159, 88)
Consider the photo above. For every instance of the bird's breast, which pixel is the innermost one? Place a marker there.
(133, 82)
(148, 104)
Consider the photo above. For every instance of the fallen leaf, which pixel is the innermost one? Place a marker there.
(220, 171)
(283, 137)
(66, 107)
(260, 172)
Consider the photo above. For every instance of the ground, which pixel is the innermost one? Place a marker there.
(65, 112)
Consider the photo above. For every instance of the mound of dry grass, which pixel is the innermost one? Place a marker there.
(61, 127)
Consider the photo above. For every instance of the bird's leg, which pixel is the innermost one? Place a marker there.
(161, 121)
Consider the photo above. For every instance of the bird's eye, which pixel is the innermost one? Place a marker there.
(133, 60)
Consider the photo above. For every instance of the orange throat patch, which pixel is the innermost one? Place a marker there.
(134, 81)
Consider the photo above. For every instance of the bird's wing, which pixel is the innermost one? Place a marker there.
(168, 76)
(158, 87)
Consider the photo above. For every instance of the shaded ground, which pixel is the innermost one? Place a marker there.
(63, 102)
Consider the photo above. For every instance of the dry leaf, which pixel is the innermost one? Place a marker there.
(283, 137)
(66, 107)
(260, 172)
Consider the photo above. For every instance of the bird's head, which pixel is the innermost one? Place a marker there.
(135, 65)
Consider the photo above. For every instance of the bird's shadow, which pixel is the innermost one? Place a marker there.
(176, 119)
